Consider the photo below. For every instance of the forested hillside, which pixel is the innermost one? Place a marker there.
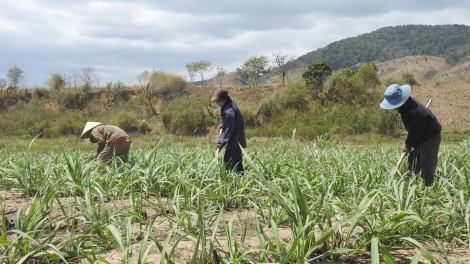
(451, 42)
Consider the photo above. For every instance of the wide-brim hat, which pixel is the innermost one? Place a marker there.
(219, 94)
(395, 96)
(88, 127)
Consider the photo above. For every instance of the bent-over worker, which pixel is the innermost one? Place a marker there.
(424, 131)
(112, 141)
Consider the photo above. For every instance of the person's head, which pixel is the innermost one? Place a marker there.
(395, 96)
(88, 128)
(220, 97)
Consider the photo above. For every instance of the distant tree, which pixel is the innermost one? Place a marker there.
(74, 78)
(367, 75)
(202, 67)
(143, 77)
(15, 75)
(316, 74)
(88, 76)
(342, 86)
(219, 77)
(3, 84)
(254, 67)
(56, 81)
(191, 68)
(282, 65)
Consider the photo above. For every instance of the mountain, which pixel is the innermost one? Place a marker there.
(451, 42)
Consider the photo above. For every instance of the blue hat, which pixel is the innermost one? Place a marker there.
(395, 96)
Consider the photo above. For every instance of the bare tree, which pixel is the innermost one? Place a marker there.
(282, 65)
(143, 78)
(219, 77)
(192, 70)
(88, 76)
(15, 75)
(3, 84)
(74, 78)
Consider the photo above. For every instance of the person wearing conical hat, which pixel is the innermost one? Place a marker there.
(424, 131)
(112, 141)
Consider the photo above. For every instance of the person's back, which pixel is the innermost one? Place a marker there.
(230, 109)
(420, 123)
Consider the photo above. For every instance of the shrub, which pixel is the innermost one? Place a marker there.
(384, 122)
(56, 81)
(73, 99)
(184, 116)
(408, 78)
(41, 93)
(294, 97)
(167, 86)
(127, 122)
(250, 117)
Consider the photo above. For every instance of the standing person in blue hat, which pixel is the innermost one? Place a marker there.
(232, 134)
(424, 131)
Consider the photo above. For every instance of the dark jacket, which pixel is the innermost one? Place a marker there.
(419, 121)
(233, 127)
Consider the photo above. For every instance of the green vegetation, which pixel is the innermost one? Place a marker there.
(317, 201)
(254, 67)
(447, 41)
(346, 103)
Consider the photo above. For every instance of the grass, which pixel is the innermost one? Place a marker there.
(298, 202)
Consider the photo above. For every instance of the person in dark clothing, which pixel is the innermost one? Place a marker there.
(424, 131)
(232, 131)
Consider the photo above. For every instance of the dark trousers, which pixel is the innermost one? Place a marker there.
(233, 160)
(424, 159)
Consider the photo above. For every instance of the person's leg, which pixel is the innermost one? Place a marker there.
(122, 151)
(414, 163)
(429, 156)
(106, 154)
(233, 160)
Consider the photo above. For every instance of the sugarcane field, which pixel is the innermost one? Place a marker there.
(142, 152)
(317, 202)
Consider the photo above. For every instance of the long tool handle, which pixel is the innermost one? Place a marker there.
(403, 155)
(218, 149)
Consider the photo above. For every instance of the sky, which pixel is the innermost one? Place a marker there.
(121, 39)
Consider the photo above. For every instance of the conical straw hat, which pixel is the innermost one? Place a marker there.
(88, 127)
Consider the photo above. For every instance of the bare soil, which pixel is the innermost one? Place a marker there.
(14, 201)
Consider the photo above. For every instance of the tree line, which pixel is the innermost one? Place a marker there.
(388, 43)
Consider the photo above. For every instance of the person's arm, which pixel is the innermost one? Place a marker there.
(97, 137)
(228, 128)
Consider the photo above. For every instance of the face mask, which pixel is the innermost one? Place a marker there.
(220, 103)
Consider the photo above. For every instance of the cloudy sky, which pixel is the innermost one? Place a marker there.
(120, 39)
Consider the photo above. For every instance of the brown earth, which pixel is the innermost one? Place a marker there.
(447, 86)
(12, 202)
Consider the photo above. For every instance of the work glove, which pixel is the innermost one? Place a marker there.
(406, 149)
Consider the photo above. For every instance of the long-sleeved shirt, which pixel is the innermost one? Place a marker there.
(419, 121)
(233, 127)
(104, 134)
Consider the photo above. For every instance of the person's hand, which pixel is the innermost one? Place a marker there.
(217, 150)
(95, 156)
(406, 149)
